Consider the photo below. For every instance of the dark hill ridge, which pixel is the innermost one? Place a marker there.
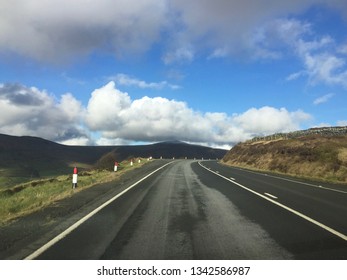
(29, 157)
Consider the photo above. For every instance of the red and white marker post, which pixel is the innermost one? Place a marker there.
(115, 166)
(74, 178)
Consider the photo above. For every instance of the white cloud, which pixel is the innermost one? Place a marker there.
(343, 49)
(323, 99)
(70, 107)
(29, 111)
(342, 123)
(271, 40)
(183, 54)
(326, 68)
(219, 53)
(78, 141)
(126, 80)
(105, 107)
(268, 120)
(318, 54)
(322, 125)
(296, 75)
(237, 25)
(147, 119)
(116, 116)
(60, 29)
(112, 142)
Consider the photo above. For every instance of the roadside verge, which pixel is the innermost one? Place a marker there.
(22, 237)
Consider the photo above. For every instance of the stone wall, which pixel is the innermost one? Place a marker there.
(323, 131)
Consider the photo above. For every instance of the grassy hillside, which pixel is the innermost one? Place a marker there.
(29, 158)
(312, 156)
(29, 197)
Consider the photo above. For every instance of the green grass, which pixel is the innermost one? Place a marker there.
(29, 197)
(7, 182)
(10, 176)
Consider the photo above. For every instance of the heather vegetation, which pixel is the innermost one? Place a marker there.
(315, 156)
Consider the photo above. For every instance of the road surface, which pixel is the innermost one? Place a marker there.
(204, 210)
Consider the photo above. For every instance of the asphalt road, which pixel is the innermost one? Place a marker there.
(205, 210)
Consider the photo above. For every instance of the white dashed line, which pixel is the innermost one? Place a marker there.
(329, 229)
(270, 195)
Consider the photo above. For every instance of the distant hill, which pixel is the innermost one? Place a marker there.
(26, 157)
(312, 153)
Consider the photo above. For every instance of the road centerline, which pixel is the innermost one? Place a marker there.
(270, 195)
(295, 181)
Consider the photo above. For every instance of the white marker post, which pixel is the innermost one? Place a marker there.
(74, 178)
(131, 163)
(115, 166)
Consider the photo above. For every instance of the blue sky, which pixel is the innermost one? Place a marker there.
(112, 72)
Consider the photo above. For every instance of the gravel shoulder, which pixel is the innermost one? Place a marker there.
(23, 236)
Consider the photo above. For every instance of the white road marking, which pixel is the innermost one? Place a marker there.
(295, 181)
(329, 229)
(49, 244)
(232, 178)
(268, 194)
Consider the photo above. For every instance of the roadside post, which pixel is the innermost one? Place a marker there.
(74, 178)
(115, 166)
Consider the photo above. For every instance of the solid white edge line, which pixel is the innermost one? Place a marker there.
(329, 229)
(50, 243)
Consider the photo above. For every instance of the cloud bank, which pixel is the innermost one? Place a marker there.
(51, 30)
(29, 111)
(117, 118)
(63, 30)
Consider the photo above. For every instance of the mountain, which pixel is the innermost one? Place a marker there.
(316, 153)
(26, 157)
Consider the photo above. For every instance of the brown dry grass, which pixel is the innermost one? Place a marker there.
(342, 155)
(315, 157)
